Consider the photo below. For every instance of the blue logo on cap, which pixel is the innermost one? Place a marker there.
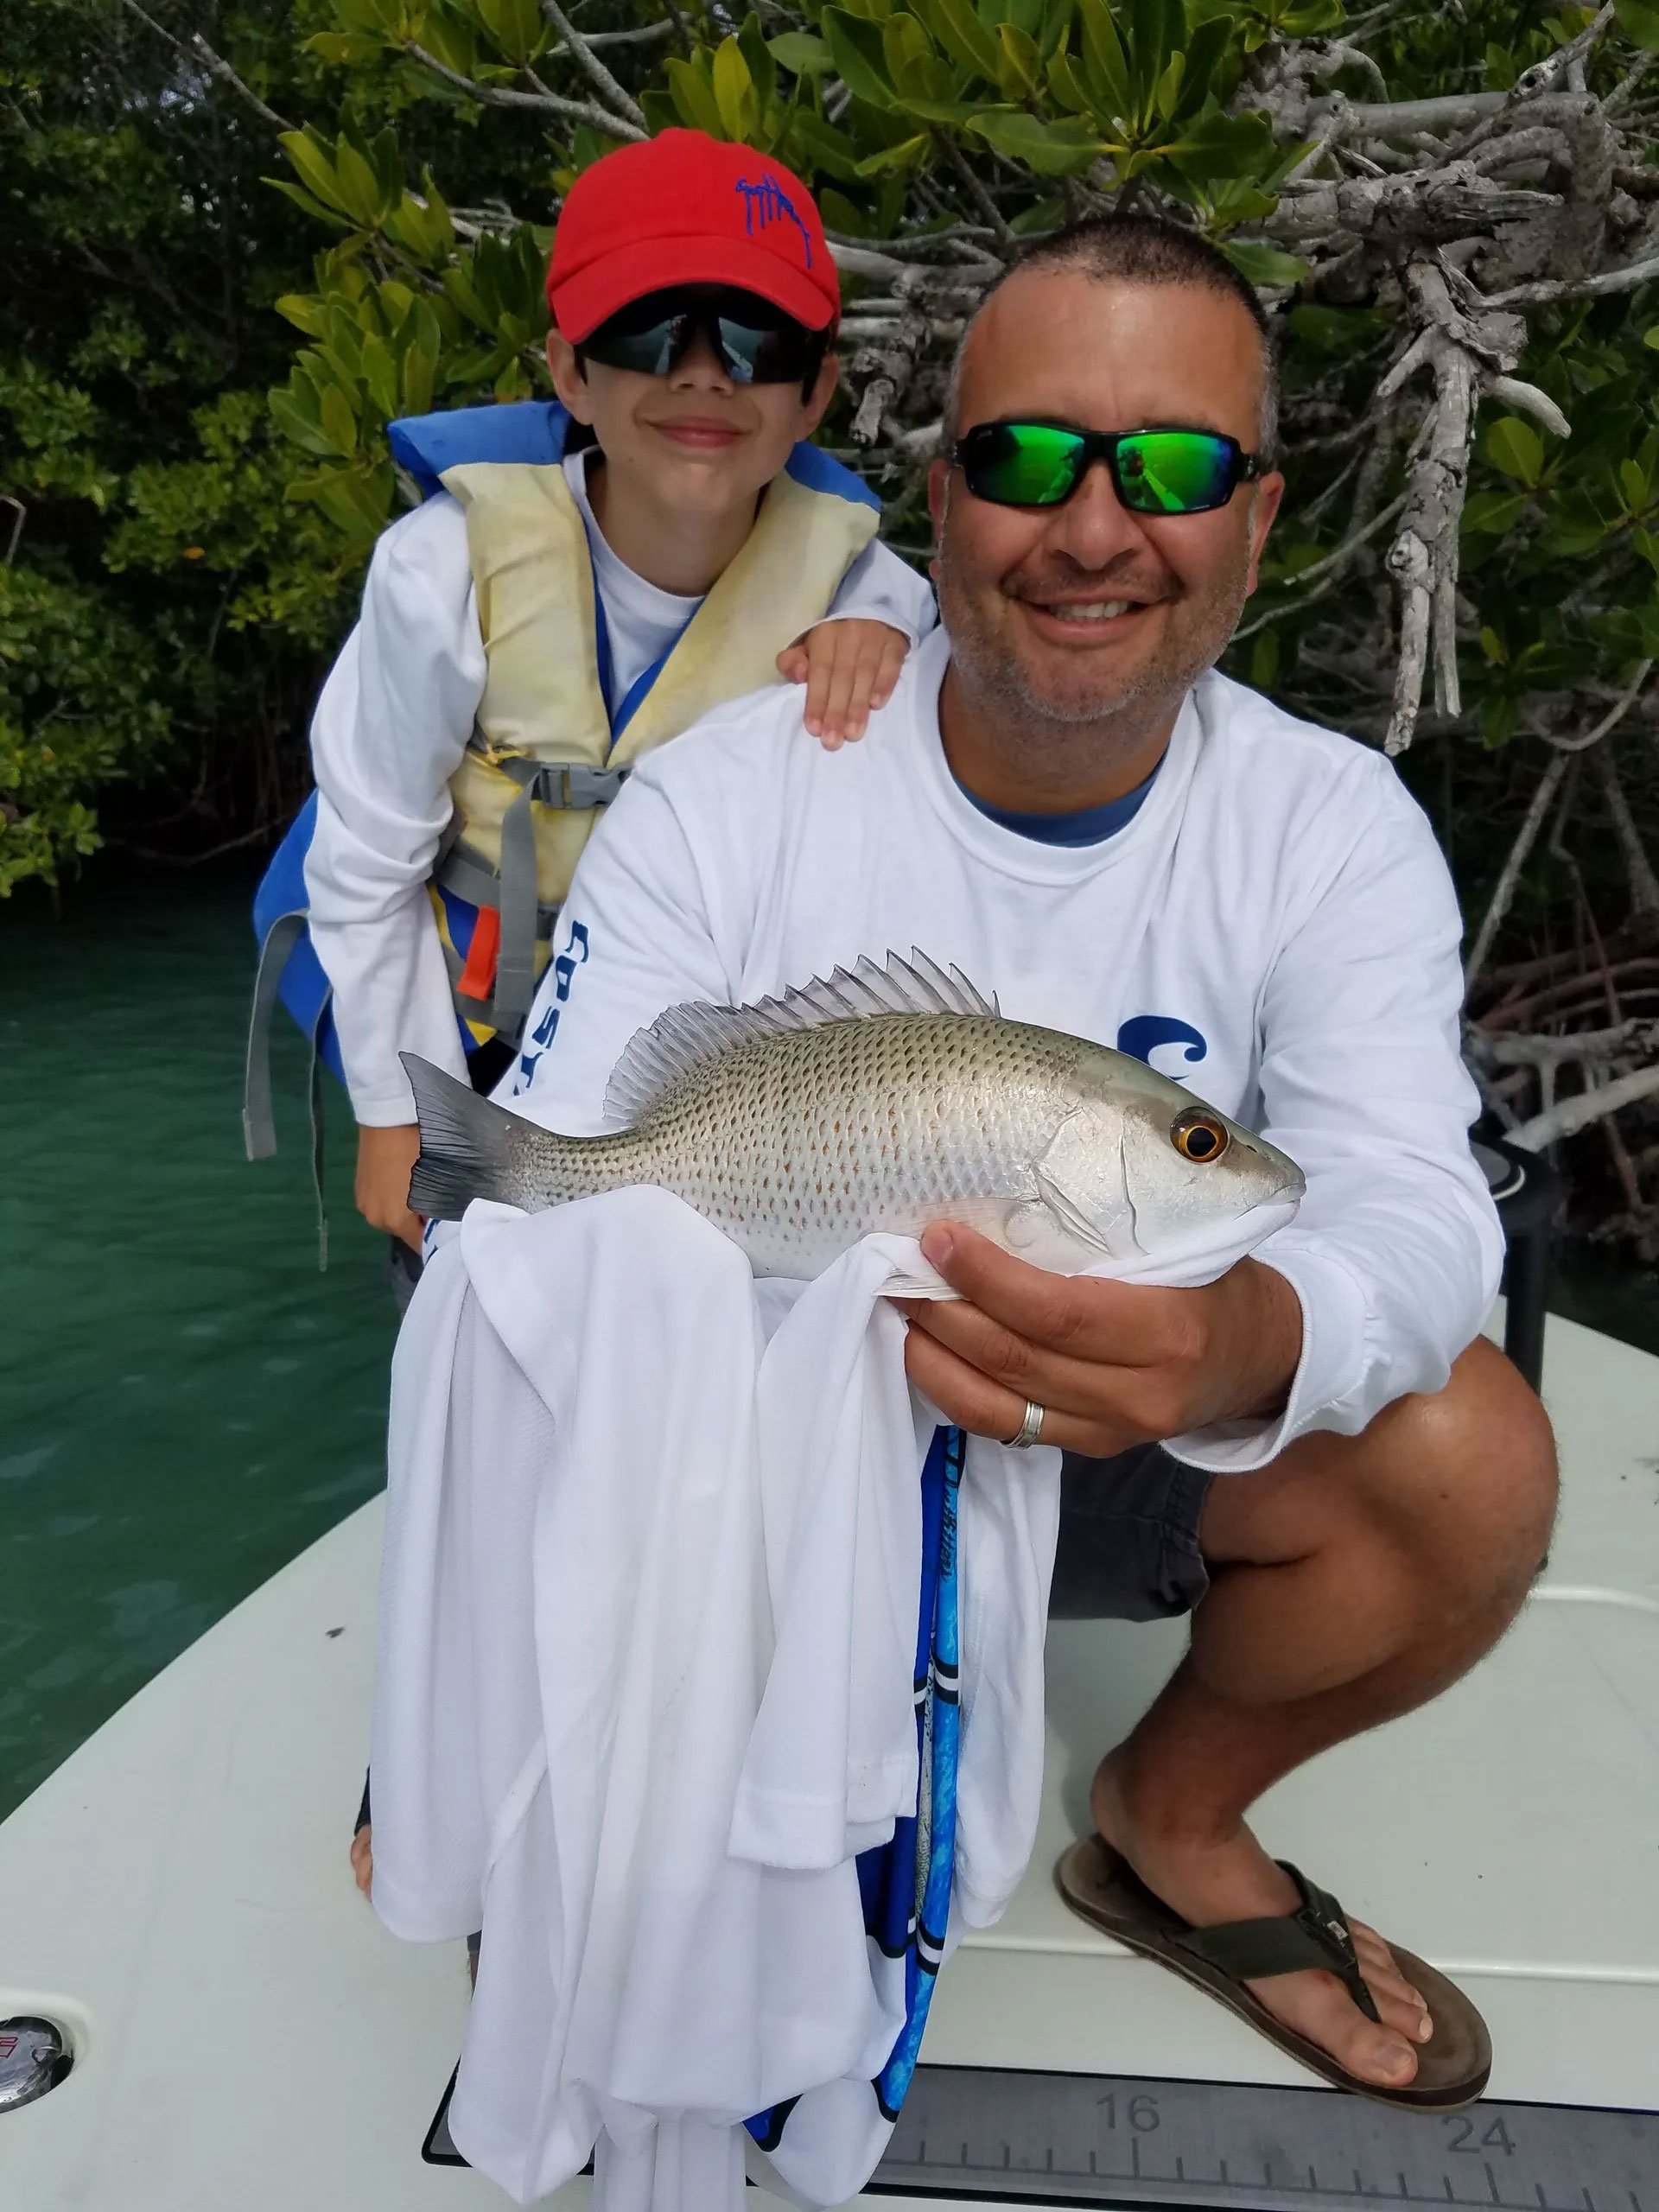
(765, 203)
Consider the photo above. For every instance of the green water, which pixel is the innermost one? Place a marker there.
(185, 1402)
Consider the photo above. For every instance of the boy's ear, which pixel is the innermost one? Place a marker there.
(822, 391)
(568, 381)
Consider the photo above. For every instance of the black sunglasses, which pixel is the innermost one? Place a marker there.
(753, 342)
(1153, 471)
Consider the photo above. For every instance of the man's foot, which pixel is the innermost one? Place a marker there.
(1209, 1882)
(362, 1859)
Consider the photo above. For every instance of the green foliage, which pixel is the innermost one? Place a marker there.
(1139, 96)
(210, 319)
(78, 711)
(162, 618)
(181, 575)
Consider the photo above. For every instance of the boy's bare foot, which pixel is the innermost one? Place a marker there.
(363, 1860)
(1210, 1880)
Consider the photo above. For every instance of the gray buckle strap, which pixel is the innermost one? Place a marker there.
(1316, 1935)
(258, 1125)
(550, 783)
(482, 887)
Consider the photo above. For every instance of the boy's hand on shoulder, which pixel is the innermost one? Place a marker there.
(847, 667)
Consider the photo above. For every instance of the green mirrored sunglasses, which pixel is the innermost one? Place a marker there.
(1153, 471)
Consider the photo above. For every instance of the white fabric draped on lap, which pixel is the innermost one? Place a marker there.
(648, 1620)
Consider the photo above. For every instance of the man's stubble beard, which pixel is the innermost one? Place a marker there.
(1049, 735)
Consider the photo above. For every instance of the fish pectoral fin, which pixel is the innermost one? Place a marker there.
(1071, 1217)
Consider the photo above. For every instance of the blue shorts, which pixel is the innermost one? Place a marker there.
(1129, 1545)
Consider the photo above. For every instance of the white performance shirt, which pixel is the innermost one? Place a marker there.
(645, 1689)
(391, 726)
(1277, 928)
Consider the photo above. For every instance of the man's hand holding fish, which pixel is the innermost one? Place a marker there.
(1112, 1364)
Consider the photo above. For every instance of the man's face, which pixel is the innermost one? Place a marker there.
(1078, 612)
(694, 440)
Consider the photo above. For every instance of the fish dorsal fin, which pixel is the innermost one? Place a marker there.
(691, 1036)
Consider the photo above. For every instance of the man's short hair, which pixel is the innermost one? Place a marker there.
(1136, 250)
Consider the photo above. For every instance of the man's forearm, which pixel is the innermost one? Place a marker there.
(1258, 1343)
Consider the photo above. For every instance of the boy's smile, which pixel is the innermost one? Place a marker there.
(700, 433)
(686, 456)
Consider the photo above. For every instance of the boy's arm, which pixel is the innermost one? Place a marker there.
(390, 729)
(850, 661)
(881, 587)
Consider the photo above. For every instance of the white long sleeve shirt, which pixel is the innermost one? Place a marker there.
(391, 726)
(1277, 912)
(645, 1687)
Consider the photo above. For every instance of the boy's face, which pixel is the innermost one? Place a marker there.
(695, 441)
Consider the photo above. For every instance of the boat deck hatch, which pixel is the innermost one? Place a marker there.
(1093, 2139)
(34, 2058)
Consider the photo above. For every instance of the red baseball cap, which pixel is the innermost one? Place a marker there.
(683, 208)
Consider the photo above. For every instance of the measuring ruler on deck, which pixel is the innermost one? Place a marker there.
(1092, 2139)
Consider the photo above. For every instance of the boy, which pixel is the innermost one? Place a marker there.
(591, 577)
(586, 579)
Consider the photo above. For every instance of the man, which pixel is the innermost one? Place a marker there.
(1064, 800)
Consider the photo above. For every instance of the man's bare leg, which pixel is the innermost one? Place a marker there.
(1351, 1580)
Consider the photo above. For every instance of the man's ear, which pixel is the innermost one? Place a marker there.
(569, 382)
(817, 403)
(939, 506)
(1269, 491)
(938, 493)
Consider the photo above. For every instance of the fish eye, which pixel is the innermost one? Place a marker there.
(1200, 1138)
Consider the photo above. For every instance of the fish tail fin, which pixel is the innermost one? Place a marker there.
(466, 1143)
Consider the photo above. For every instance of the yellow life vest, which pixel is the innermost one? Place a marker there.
(543, 763)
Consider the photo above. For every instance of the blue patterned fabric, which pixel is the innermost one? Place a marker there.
(905, 1884)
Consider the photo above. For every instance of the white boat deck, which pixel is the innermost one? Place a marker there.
(248, 2038)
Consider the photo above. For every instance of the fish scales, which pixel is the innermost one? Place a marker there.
(800, 1126)
(799, 1145)
(802, 1143)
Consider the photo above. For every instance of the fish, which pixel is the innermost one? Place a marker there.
(878, 1098)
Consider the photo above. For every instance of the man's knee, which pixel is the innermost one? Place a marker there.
(1488, 1439)
(1452, 1495)
(1463, 1481)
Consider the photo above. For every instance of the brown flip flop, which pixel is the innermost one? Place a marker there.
(1452, 2066)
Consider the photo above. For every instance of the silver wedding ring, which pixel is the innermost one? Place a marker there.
(1030, 1431)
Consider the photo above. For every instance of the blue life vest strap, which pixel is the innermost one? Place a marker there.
(531, 430)
(537, 431)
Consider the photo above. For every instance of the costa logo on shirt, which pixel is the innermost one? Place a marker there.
(1142, 1035)
(565, 965)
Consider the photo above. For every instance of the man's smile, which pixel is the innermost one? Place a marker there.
(1100, 616)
